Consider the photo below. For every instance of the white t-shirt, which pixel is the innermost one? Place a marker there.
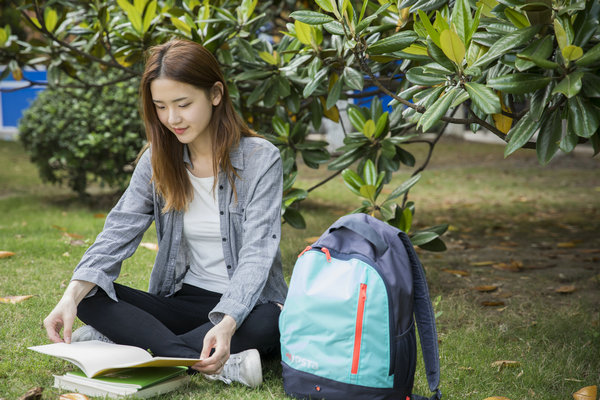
(202, 231)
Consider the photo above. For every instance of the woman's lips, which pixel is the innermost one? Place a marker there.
(179, 131)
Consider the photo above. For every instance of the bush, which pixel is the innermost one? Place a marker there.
(83, 135)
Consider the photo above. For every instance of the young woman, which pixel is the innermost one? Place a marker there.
(213, 189)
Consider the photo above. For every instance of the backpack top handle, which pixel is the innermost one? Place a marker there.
(363, 229)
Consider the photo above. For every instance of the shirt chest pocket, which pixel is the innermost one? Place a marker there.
(237, 215)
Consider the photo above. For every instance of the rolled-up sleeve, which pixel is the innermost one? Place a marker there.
(259, 238)
(123, 230)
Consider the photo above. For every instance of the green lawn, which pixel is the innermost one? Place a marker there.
(501, 211)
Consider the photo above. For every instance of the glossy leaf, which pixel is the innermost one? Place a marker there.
(334, 93)
(395, 42)
(311, 17)
(461, 19)
(549, 138)
(303, 32)
(420, 238)
(431, 31)
(519, 20)
(50, 18)
(452, 46)
(353, 78)
(520, 134)
(590, 57)
(438, 56)
(506, 43)
(572, 53)
(418, 76)
(294, 218)
(483, 97)
(436, 244)
(150, 13)
(353, 181)
(437, 110)
(539, 49)
(357, 118)
(560, 34)
(325, 5)
(571, 84)
(381, 125)
(370, 173)
(403, 188)
(519, 83)
(583, 117)
(369, 129)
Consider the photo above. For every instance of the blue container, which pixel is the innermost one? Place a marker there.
(12, 104)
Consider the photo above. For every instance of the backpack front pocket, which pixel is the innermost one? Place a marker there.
(360, 311)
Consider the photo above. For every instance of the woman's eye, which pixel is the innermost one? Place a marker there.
(160, 107)
(184, 105)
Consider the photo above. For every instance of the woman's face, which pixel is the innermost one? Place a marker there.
(184, 109)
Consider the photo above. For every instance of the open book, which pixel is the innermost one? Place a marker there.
(94, 357)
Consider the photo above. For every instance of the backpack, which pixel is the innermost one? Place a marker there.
(348, 322)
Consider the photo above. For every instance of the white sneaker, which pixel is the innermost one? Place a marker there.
(244, 367)
(88, 332)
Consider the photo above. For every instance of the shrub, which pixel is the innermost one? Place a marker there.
(83, 135)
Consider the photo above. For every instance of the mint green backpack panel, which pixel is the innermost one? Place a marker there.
(336, 321)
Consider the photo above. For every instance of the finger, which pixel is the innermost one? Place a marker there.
(207, 346)
(52, 330)
(68, 328)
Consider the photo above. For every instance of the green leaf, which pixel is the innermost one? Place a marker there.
(461, 19)
(268, 57)
(571, 52)
(507, 43)
(519, 83)
(520, 134)
(252, 75)
(304, 32)
(417, 76)
(353, 181)
(133, 14)
(568, 142)
(483, 97)
(583, 117)
(452, 46)
(149, 15)
(590, 57)
(334, 94)
(311, 17)
(353, 78)
(571, 85)
(345, 159)
(381, 125)
(368, 192)
(357, 118)
(393, 43)
(436, 244)
(561, 34)
(369, 129)
(540, 62)
(50, 18)
(422, 237)
(538, 102)
(314, 83)
(595, 140)
(281, 128)
(437, 110)
(370, 173)
(335, 28)
(591, 85)
(433, 34)
(438, 56)
(549, 138)
(325, 5)
(519, 20)
(405, 220)
(294, 218)
(403, 188)
(539, 49)
(182, 26)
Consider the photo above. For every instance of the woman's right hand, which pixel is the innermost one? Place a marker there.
(63, 315)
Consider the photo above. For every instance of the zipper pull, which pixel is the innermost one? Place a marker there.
(326, 251)
(304, 251)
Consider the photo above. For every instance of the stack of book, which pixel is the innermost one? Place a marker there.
(115, 370)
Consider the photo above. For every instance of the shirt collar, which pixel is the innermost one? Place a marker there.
(235, 155)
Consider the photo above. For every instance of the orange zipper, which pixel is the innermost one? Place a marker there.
(362, 297)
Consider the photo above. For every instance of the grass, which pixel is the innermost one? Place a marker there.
(499, 210)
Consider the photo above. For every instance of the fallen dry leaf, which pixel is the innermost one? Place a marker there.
(485, 288)
(100, 216)
(589, 251)
(586, 393)
(457, 272)
(72, 235)
(568, 245)
(482, 263)
(6, 254)
(501, 364)
(32, 394)
(73, 396)
(15, 299)
(513, 266)
(149, 246)
(492, 303)
(60, 228)
(565, 289)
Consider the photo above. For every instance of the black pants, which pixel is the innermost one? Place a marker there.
(174, 326)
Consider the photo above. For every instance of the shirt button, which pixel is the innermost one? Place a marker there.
(221, 213)
(274, 236)
(221, 187)
(229, 267)
(224, 239)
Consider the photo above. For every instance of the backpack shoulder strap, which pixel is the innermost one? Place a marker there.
(425, 318)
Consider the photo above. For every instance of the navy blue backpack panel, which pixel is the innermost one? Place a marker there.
(347, 326)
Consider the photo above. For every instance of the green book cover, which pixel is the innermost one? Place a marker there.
(135, 377)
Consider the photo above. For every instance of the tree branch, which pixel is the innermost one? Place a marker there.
(324, 181)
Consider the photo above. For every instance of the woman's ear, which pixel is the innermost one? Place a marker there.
(216, 93)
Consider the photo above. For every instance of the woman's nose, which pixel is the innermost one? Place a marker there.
(174, 117)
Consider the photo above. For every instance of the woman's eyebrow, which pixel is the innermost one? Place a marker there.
(174, 101)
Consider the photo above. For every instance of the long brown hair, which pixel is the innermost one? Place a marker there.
(187, 62)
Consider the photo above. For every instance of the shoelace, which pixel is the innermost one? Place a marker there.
(230, 372)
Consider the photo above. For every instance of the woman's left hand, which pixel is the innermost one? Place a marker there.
(219, 339)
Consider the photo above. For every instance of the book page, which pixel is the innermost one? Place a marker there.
(94, 357)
